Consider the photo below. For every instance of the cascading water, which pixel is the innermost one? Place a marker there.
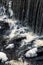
(19, 40)
(29, 13)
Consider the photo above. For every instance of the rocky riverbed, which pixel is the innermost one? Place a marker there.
(20, 44)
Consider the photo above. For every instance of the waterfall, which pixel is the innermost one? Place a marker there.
(21, 35)
(30, 13)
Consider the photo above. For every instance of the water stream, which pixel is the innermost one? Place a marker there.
(11, 28)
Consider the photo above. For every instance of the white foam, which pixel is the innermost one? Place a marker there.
(3, 56)
(31, 53)
(10, 46)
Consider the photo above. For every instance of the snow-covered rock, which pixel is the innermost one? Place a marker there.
(10, 46)
(3, 57)
(31, 53)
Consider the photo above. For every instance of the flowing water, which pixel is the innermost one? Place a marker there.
(20, 26)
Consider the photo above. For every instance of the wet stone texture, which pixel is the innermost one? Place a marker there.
(17, 45)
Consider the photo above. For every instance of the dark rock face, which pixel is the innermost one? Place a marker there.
(4, 27)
